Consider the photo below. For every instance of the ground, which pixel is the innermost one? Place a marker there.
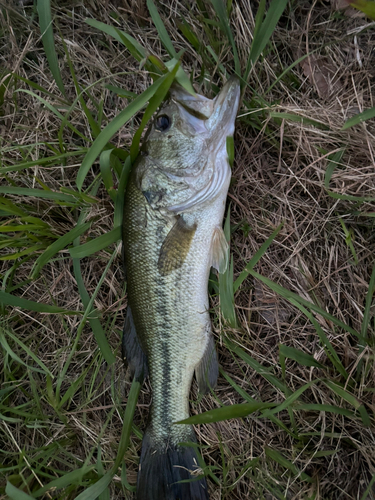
(301, 212)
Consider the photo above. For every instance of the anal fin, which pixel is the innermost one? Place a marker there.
(132, 351)
(207, 370)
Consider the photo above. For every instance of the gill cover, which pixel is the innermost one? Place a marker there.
(185, 162)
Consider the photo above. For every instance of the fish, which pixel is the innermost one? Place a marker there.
(172, 236)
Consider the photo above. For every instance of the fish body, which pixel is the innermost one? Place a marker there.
(173, 234)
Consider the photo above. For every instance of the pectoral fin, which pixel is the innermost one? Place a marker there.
(132, 351)
(219, 250)
(207, 370)
(176, 246)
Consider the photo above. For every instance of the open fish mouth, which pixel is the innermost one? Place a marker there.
(214, 118)
(218, 114)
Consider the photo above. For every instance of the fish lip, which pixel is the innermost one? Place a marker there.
(198, 105)
(226, 106)
(204, 108)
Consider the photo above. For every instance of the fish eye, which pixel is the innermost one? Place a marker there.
(163, 123)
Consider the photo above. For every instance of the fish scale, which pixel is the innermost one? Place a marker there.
(168, 322)
(173, 213)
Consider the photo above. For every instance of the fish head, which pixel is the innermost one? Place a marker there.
(185, 160)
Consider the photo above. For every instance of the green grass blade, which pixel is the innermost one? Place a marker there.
(5, 79)
(121, 92)
(95, 129)
(221, 12)
(329, 350)
(366, 494)
(65, 480)
(287, 70)
(359, 118)
(333, 160)
(342, 393)
(9, 208)
(349, 240)
(323, 408)
(181, 77)
(365, 6)
(188, 33)
(127, 423)
(97, 488)
(10, 419)
(24, 347)
(55, 112)
(124, 480)
(301, 357)
(16, 494)
(259, 18)
(226, 292)
(37, 193)
(105, 495)
(41, 161)
(226, 412)
(87, 302)
(100, 486)
(88, 313)
(366, 420)
(256, 257)
(7, 349)
(57, 246)
(349, 197)
(154, 103)
(35, 86)
(135, 48)
(95, 324)
(287, 464)
(368, 302)
(352, 400)
(230, 150)
(266, 373)
(216, 59)
(264, 33)
(364, 337)
(45, 23)
(110, 130)
(29, 305)
(236, 387)
(289, 400)
(106, 172)
(288, 295)
(278, 116)
(164, 37)
(120, 196)
(93, 246)
(82, 197)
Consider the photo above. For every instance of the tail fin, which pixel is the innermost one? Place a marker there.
(163, 468)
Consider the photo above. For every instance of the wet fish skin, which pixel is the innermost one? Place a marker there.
(172, 233)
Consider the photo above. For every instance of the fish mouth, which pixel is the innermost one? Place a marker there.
(218, 124)
(225, 107)
(220, 110)
(197, 105)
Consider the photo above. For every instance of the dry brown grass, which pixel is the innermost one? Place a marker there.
(278, 177)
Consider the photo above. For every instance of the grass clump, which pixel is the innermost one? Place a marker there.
(293, 415)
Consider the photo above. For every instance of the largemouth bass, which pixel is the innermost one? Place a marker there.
(173, 234)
